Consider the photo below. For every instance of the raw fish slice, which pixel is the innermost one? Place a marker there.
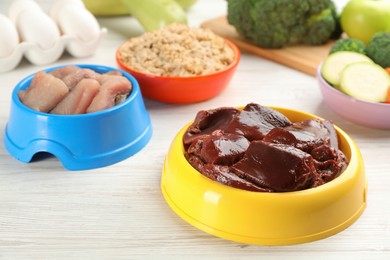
(44, 93)
(111, 87)
(75, 77)
(79, 98)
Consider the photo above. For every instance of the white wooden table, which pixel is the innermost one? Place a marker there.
(118, 212)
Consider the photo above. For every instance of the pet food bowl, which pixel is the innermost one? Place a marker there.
(183, 90)
(83, 141)
(260, 217)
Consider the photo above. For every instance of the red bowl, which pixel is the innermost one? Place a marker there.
(181, 90)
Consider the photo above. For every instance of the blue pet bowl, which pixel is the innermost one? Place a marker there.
(83, 141)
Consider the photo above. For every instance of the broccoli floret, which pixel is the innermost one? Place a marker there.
(348, 44)
(278, 23)
(378, 49)
(319, 28)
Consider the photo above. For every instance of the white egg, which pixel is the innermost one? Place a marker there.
(74, 19)
(9, 38)
(33, 24)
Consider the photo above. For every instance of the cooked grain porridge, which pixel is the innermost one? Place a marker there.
(177, 50)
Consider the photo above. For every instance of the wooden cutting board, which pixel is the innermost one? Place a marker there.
(302, 58)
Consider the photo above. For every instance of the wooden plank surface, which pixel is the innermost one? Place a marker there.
(302, 58)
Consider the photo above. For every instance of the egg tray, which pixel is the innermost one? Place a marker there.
(67, 41)
(38, 56)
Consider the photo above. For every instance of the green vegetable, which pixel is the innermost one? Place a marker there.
(155, 14)
(117, 7)
(152, 14)
(361, 19)
(335, 63)
(366, 81)
(348, 44)
(277, 23)
(378, 49)
(186, 3)
(106, 7)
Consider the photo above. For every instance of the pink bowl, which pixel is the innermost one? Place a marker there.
(370, 114)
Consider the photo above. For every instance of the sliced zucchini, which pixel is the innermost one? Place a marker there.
(366, 81)
(336, 62)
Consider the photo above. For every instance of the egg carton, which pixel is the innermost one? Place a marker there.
(27, 31)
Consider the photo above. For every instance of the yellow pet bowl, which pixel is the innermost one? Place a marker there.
(266, 218)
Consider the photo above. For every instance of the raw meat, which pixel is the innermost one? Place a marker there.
(75, 76)
(44, 93)
(277, 167)
(78, 100)
(111, 87)
(88, 91)
(305, 135)
(259, 149)
(255, 121)
(64, 71)
(219, 148)
(208, 121)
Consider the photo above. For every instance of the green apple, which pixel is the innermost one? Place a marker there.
(361, 19)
